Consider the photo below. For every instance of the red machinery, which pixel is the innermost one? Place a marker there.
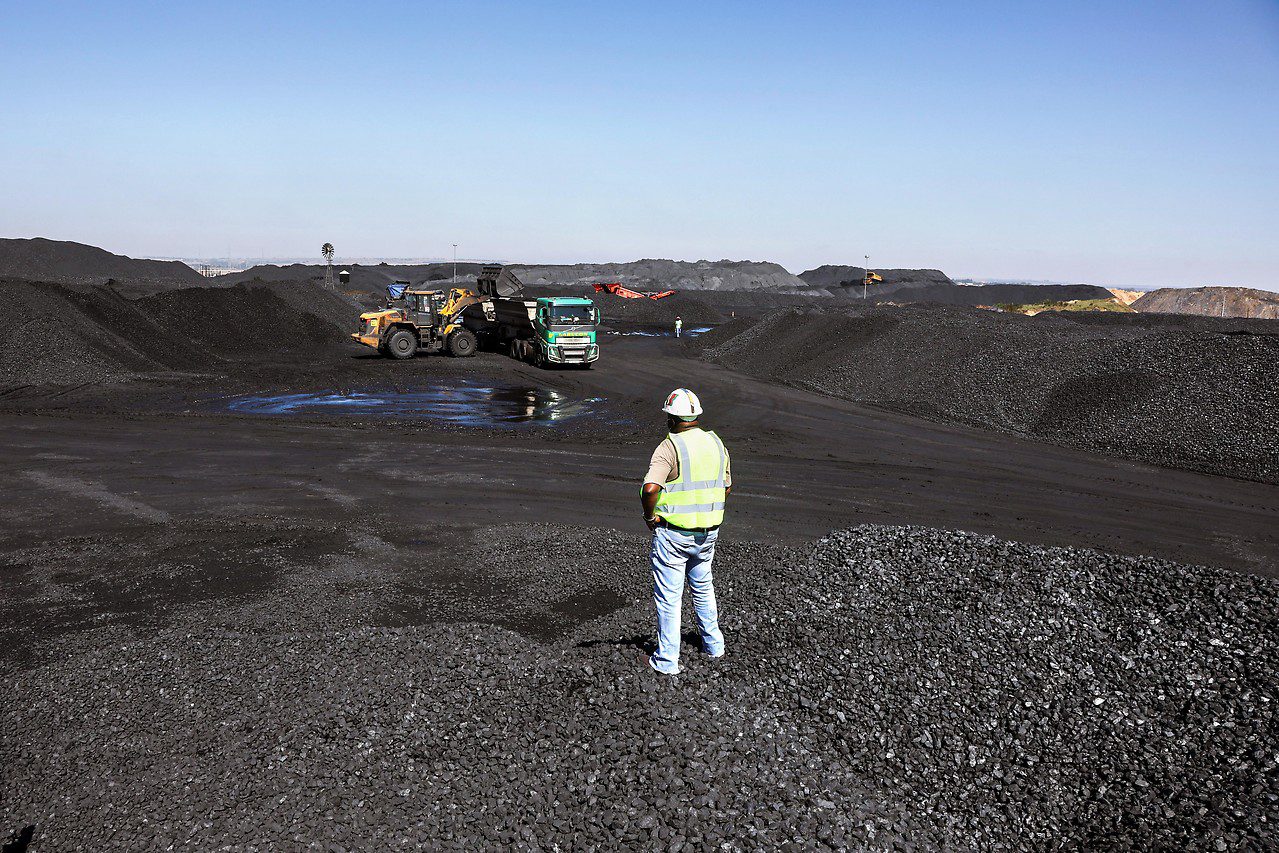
(616, 289)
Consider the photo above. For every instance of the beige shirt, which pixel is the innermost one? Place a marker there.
(664, 466)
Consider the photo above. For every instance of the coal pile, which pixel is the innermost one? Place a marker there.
(1020, 697)
(367, 284)
(993, 294)
(661, 274)
(254, 321)
(835, 278)
(892, 688)
(62, 335)
(1212, 302)
(1194, 394)
(62, 261)
(906, 286)
(54, 334)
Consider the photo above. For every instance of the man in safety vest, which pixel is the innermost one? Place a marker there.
(683, 496)
(679, 326)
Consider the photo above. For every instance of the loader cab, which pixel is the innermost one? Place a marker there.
(423, 306)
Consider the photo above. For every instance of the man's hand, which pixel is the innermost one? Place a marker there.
(648, 502)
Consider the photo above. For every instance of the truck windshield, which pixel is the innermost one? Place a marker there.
(572, 315)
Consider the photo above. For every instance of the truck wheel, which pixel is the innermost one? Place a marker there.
(462, 343)
(401, 344)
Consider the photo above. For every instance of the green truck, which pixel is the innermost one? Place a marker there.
(547, 331)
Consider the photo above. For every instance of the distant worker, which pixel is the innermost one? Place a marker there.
(679, 326)
(688, 480)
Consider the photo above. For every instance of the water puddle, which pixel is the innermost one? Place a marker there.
(688, 333)
(469, 405)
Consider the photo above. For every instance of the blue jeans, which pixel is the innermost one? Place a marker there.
(674, 554)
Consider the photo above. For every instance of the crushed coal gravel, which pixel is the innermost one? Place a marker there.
(1180, 391)
(886, 688)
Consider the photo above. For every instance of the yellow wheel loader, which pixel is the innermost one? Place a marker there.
(426, 321)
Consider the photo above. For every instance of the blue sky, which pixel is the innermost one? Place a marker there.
(1116, 143)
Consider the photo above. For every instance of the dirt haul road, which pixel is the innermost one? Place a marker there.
(804, 465)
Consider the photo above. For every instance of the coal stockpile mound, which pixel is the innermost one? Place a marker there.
(995, 294)
(1182, 322)
(314, 299)
(894, 688)
(367, 284)
(1187, 396)
(246, 322)
(292, 314)
(65, 262)
(53, 334)
(1041, 698)
(905, 286)
(661, 274)
(835, 277)
(1211, 301)
(65, 335)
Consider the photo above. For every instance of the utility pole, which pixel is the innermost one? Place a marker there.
(455, 263)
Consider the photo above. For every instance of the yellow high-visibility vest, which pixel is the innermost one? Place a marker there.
(696, 497)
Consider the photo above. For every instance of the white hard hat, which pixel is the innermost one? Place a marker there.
(683, 403)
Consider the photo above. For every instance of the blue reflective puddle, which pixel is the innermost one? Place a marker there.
(470, 405)
(688, 333)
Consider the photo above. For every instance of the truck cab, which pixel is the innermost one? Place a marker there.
(565, 327)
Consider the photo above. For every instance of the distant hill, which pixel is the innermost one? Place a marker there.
(833, 277)
(1211, 302)
(641, 275)
(649, 274)
(38, 259)
(904, 286)
(997, 294)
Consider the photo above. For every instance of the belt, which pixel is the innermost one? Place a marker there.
(664, 523)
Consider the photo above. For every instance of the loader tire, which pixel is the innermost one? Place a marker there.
(462, 343)
(401, 344)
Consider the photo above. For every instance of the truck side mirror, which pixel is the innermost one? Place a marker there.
(595, 313)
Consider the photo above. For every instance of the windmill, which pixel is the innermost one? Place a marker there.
(327, 251)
